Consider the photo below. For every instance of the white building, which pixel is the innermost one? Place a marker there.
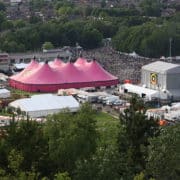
(146, 93)
(4, 61)
(162, 76)
(4, 93)
(45, 104)
(15, 2)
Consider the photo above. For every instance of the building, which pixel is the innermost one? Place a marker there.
(15, 2)
(146, 93)
(4, 93)
(50, 77)
(4, 62)
(162, 76)
(45, 104)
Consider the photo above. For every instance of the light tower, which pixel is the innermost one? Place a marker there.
(170, 49)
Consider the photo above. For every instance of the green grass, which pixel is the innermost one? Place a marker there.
(22, 93)
(107, 128)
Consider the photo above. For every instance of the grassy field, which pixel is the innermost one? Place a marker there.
(23, 93)
(107, 128)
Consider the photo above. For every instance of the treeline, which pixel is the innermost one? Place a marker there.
(130, 29)
(72, 146)
(31, 37)
(150, 39)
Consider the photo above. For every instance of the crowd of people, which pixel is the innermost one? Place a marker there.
(124, 66)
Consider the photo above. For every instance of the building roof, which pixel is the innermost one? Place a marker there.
(162, 67)
(149, 93)
(20, 65)
(57, 62)
(44, 74)
(4, 93)
(80, 61)
(62, 75)
(47, 103)
(139, 90)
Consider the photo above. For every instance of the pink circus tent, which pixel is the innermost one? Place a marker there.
(94, 67)
(49, 77)
(57, 63)
(32, 65)
(81, 62)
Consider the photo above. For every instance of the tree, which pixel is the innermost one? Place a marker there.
(106, 28)
(140, 176)
(106, 163)
(163, 160)
(71, 137)
(7, 25)
(2, 6)
(35, 19)
(151, 7)
(2, 18)
(62, 176)
(72, 31)
(19, 23)
(91, 38)
(149, 39)
(10, 46)
(47, 45)
(27, 137)
(103, 3)
(15, 160)
(65, 11)
(133, 137)
(14, 171)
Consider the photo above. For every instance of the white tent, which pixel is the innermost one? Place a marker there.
(45, 104)
(21, 65)
(176, 105)
(3, 77)
(142, 91)
(166, 108)
(134, 54)
(4, 93)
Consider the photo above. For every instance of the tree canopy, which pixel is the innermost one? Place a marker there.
(163, 161)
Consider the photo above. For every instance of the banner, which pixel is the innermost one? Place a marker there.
(154, 78)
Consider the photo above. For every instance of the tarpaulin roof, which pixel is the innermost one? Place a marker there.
(44, 104)
(44, 74)
(96, 72)
(80, 61)
(56, 63)
(71, 73)
(162, 67)
(31, 66)
(49, 77)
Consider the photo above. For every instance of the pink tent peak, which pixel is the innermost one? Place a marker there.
(80, 61)
(72, 73)
(96, 72)
(43, 75)
(39, 77)
(57, 63)
(31, 67)
(32, 64)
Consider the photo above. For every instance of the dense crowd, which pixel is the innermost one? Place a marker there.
(123, 65)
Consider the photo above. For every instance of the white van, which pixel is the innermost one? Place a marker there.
(111, 99)
(82, 98)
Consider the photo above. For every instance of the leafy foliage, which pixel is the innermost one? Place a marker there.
(47, 45)
(151, 7)
(150, 39)
(133, 138)
(164, 155)
(71, 137)
(90, 145)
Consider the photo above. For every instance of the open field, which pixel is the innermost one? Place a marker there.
(107, 128)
